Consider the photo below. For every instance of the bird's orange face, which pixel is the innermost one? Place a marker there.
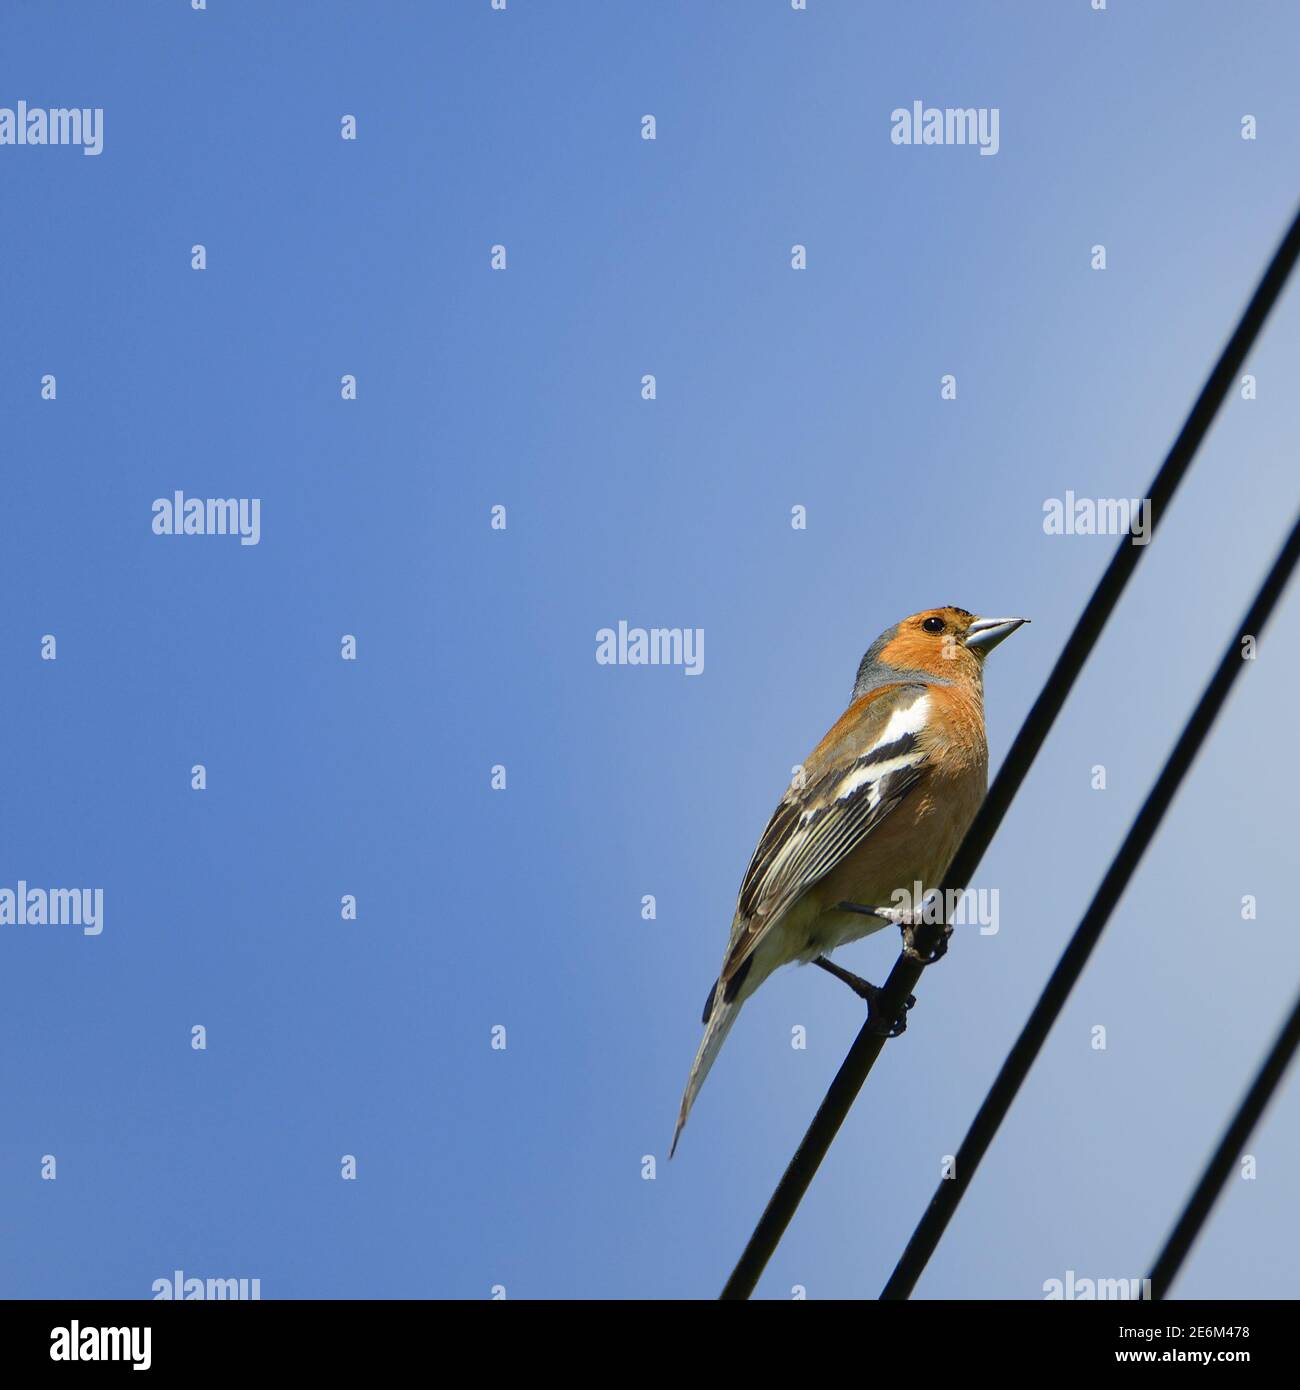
(946, 642)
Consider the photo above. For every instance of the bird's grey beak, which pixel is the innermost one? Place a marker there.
(985, 633)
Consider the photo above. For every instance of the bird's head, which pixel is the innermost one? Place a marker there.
(940, 644)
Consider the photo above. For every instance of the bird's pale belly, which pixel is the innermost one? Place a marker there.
(892, 861)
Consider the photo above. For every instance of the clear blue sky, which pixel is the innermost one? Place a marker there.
(522, 908)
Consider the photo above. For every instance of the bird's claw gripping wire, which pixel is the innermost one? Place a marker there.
(908, 922)
(864, 989)
(883, 1029)
(922, 958)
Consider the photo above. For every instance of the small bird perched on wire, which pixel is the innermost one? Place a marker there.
(882, 804)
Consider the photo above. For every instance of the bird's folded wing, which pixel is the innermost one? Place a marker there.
(857, 775)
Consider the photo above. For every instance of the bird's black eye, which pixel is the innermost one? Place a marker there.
(933, 625)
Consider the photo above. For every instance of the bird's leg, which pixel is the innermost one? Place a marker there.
(864, 989)
(896, 915)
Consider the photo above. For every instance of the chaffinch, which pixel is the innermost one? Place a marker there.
(882, 804)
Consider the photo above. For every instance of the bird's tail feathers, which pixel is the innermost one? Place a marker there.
(718, 1024)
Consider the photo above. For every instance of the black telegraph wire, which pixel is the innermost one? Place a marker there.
(1088, 932)
(1198, 1206)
